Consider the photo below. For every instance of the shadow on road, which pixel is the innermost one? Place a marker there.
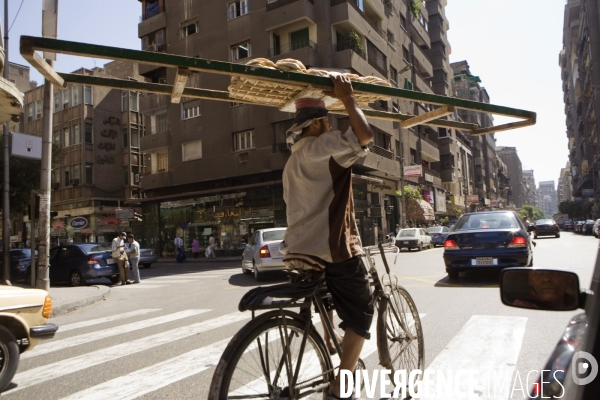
(475, 278)
(268, 278)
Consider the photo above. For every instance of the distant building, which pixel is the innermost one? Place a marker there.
(565, 190)
(513, 163)
(547, 193)
(529, 188)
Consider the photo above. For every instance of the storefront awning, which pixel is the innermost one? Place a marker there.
(428, 213)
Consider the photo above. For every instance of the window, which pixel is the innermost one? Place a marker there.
(377, 58)
(88, 133)
(188, 29)
(135, 138)
(440, 75)
(126, 175)
(56, 175)
(88, 173)
(413, 156)
(442, 132)
(406, 55)
(129, 101)
(56, 138)
(394, 76)
(75, 135)
(395, 107)
(241, 51)
(125, 138)
(402, 22)
(299, 39)
(76, 95)
(66, 137)
(88, 99)
(191, 151)
(381, 138)
(237, 9)
(243, 140)
(30, 110)
(67, 176)
(39, 109)
(66, 97)
(190, 109)
(152, 8)
(160, 161)
(57, 101)
(161, 123)
(408, 84)
(390, 38)
(76, 172)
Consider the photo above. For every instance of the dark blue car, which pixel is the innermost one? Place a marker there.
(77, 263)
(488, 239)
(20, 264)
(438, 234)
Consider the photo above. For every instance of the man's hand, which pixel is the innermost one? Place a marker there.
(342, 88)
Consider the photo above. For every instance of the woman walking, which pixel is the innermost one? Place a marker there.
(196, 248)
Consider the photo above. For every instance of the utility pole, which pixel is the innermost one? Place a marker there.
(403, 211)
(49, 28)
(5, 180)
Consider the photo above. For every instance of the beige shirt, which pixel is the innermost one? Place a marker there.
(317, 189)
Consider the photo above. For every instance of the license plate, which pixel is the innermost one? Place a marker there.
(405, 242)
(110, 260)
(484, 261)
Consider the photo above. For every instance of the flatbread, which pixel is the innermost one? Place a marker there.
(317, 72)
(289, 64)
(262, 62)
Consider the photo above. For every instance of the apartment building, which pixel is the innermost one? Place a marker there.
(548, 196)
(579, 60)
(215, 168)
(564, 189)
(96, 154)
(515, 190)
(529, 188)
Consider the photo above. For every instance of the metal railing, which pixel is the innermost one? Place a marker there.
(380, 151)
(286, 48)
(349, 44)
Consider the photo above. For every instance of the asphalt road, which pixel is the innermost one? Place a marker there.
(157, 340)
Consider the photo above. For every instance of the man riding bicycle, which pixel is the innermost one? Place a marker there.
(321, 233)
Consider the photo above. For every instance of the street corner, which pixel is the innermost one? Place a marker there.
(67, 299)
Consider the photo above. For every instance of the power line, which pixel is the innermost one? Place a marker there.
(11, 25)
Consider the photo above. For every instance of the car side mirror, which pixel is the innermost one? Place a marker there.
(531, 228)
(540, 289)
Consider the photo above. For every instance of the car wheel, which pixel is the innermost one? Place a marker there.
(531, 262)
(115, 279)
(75, 279)
(557, 235)
(452, 274)
(257, 275)
(9, 357)
(431, 245)
(535, 236)
(421, 246)
(146, 266)
(244, 270)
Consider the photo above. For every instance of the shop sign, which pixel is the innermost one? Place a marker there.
(124, 213)
(587, 192)
(413, 171)
(428, 177)
(87, 230)
(58, 224)
(109, 220)
(79, 222)
(14, 239)
(428, 196)
(472, 198)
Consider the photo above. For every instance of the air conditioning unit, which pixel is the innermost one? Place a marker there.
(56, 186)
(136, 178)
(152, 47)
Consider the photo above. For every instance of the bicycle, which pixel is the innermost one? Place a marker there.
(279, 354)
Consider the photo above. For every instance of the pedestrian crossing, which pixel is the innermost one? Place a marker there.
(498, 338)
(154, 282)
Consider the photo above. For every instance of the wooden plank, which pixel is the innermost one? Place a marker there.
(42, 66)
(505, 127)
(180, 81)
(428, 116)
(221, 67)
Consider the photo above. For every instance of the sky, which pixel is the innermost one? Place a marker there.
(512, 45)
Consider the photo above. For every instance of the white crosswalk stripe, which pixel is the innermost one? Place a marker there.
(62, 344)
(92, 322)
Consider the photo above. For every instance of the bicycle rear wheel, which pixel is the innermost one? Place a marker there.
(255, 364)
(399, 332)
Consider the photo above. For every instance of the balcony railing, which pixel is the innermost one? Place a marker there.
(286, 48)
(380, 151)
(349, 44)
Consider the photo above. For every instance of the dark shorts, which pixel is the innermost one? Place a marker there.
(348, 283)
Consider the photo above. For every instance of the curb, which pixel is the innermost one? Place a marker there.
(197, 261)
(75, 305)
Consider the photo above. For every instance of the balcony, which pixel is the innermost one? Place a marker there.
(429, 150)
(424, 65)
(283, 49)
(380, 151)
(152, 24)
(447, 145)
(349, 44)
(306, 55)
(348, 16)
(155, 141)
(422, 85)
(295, 10)
(430, 176)
(350, 58)
(420, 35)
(158, 180)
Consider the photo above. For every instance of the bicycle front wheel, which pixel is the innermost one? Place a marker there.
(399, 332)
(257, 365)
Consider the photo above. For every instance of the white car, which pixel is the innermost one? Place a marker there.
(262, 254)
(413, 238)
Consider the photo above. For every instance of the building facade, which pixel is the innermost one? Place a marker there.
(548, 196)
(565, 189)
(529, 188)
(511, 159)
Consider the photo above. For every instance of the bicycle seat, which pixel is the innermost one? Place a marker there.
(263, 296)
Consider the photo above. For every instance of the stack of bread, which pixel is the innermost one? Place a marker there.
(257, 90)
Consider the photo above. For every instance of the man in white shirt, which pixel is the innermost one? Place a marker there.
(134, 257)
(118, 253)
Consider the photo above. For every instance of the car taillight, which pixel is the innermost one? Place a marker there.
(93, 260)
(556, 227)
(518, 241)
(18, 265)
(264, 252)
(47, 310)
(535, 390)
(438, 234)
(451, 245)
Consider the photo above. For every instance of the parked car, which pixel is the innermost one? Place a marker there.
(596, 228)
(20, 264)
(566, 374)
(438, 234)
(577, 226)
(546, 227)
(262, 252)
(413, 238)
(24, 317)
(77, 263)
(487, 239)
(147, 257)
(568, 226)
(588, 227)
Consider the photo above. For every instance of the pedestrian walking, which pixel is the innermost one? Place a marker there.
(196, 248)
(118, 253)
(179, 249)
(210, 249)
(134, 257)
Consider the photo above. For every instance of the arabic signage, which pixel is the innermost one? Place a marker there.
(58, 224)
(472, 198)
(413, 171)
(79, 223)
(124, 213)
(109, 220)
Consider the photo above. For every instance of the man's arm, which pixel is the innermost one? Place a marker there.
(342, 90)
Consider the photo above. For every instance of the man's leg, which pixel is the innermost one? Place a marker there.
(351, 348)
(126, 270)
(122, 267)
(135, 269)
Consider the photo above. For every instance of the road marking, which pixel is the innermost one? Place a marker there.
(68, 366)
(62, 344)
(83, 324)
(488, 344)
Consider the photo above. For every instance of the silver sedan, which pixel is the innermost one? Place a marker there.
(262, 252)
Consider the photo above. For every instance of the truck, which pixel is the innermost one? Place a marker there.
(560, 219)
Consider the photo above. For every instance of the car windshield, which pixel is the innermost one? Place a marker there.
(408, 233)
(22, 253)
(486, 221)
(544, 222)
(270, 236)
(434, 229)
(96, 248)
(589, 221)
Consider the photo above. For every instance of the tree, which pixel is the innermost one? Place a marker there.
(575, 209)
(532, 213)
(411, 199)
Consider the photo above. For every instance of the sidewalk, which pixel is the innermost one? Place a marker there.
(201, 260)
